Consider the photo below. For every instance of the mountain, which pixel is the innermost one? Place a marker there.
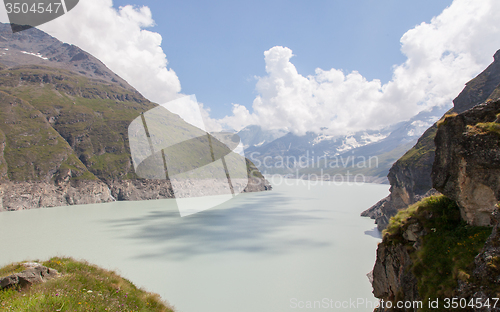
(367, 153)
(64, 129)
(35, 47)
(410, 176)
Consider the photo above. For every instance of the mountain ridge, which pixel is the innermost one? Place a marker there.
(64, 137)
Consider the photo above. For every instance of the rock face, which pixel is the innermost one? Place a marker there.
(410, 176)
(36, 273)
(161, 189)
(485, 280)
(392, 277)
(467, 164)
(466, 169)
(28, 195)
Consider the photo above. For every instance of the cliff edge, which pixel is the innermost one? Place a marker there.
(447, 246)
(410, 176)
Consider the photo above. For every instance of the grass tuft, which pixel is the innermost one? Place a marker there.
(444, 120)
(82, 287)
(484, 128)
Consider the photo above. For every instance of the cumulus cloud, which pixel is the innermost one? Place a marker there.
(441, 57)
(119, 39)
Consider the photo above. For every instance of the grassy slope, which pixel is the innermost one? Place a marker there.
(89, 115)
(417, 155)
(67, 121)
(448, 249)
(82, 287)
(33, 149)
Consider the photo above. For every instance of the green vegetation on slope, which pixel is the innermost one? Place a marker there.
(33, 149)
(57, 119)
(485, 127)
(444, 121)
(420, 154)
(82, 287)
(91, 116)
(448, 247)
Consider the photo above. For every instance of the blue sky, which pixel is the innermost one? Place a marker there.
(216, 47)
(343, 65)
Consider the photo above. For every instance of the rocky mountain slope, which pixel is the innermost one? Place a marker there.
(63, 131)
(445, 247)
(37, 48)
(410, 176)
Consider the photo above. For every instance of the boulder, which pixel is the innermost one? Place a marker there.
(36, 273)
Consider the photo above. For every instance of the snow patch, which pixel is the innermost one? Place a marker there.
(367, 138)
(323, 137)
(348, 144)
(37, 55)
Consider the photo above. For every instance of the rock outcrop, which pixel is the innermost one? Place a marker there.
(141, 189)
(410, 176)
(466, 170)
(29, 195)
(392, 276)
(467, 163)
(460, 158)
(35, 273)
(485, 280)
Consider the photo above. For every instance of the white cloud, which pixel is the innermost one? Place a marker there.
(441, 57)
(119, 40)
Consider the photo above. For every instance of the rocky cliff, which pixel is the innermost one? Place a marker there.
(64, 121)
(467, 162)
(444, 247)
(410, 176)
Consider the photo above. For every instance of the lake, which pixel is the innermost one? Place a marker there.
(299, 245)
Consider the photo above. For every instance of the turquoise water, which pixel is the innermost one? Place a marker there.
(300, 244)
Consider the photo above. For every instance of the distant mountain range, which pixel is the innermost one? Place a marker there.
(366, 153)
